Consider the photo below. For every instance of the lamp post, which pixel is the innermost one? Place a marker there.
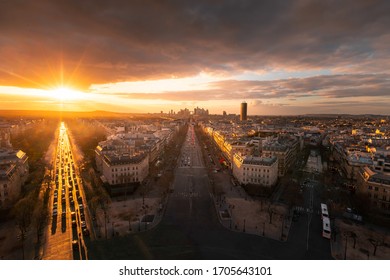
(263, 228)
(244, 226)
(346, 245)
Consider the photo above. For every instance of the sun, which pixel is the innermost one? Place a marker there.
(64, 93)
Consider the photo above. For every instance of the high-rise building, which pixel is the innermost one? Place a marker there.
(244, 108)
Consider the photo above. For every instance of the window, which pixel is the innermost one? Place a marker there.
(376, 188)
(370, 187)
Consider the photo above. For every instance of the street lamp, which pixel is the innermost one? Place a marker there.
(346, 245)
(244, 226)
(263, 228)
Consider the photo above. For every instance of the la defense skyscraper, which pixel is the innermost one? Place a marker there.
(244, 109)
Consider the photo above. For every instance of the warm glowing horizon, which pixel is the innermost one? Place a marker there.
(282, 58)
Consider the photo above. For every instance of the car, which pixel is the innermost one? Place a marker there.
(75, 244)
(81, 207)
(55, 212)
(86, 232)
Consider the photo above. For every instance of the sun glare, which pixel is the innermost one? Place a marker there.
(63, 93)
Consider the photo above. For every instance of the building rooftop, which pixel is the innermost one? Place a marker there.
(268, 161)
(380, 178)
(116, 159)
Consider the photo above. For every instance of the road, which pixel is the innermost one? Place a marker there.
(67, 227)
(190, 228)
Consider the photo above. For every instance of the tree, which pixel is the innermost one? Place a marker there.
(23, 211)
(40, 219)
(353, 235)
(376, 243)
(270, 213)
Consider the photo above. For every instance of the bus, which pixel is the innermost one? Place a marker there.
(324, 211)
(326, 231)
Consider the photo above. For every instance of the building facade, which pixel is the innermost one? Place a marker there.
(244, 111)
(14, 170)
(285, 151)
(262, 171)
(376, 185)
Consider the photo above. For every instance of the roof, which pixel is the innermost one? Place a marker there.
(124, 159)
(267, 161)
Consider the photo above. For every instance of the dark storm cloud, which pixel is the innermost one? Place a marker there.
(109, 41)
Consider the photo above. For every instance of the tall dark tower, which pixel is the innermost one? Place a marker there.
(244, 108)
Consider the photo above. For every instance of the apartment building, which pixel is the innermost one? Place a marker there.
(261, 171)
(285, 149)
(14, 170)
(377, 185)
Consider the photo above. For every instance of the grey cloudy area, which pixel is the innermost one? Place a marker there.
(98, 42)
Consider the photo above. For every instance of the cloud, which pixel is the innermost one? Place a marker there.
(84, 42)
(256, 92)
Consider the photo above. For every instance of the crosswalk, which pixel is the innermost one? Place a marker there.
(301, 209)
(186, 194)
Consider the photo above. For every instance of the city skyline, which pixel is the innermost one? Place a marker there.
(295, 58)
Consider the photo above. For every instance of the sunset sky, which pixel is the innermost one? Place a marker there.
(281, 57)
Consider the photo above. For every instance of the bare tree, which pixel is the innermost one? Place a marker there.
(23, 211)
(376, 243)
(353, 235)
(270, 213)
(40, 219)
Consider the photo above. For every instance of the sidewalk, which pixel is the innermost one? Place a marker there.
(356, 241)
(136, 213)
(239, 212)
